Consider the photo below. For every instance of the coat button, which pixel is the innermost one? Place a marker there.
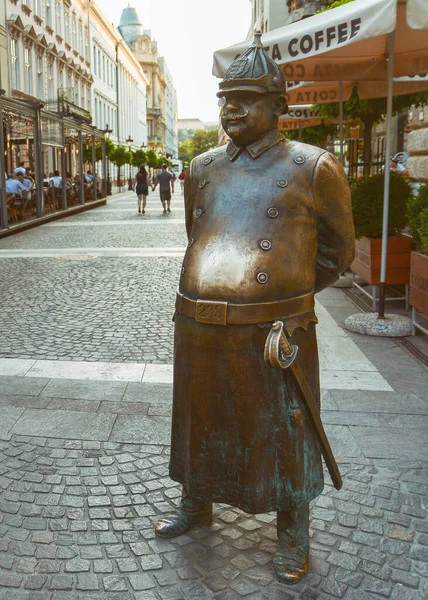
(203, 183)
(282, 183)
(191, 242)
(299, 159)
(272, 212)
(207, 160)
(265, 245)
(198, 213)
(262, 277)
(183, 270)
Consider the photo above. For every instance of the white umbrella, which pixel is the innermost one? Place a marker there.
(365, 40)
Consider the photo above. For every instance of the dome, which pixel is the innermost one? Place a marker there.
(130, 25)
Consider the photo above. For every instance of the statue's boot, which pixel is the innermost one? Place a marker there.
(192, 513)
(291, 560)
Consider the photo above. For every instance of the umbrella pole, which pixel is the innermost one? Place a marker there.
(341, 120)
(391, 39)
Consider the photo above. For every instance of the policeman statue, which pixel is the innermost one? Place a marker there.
(269, 224)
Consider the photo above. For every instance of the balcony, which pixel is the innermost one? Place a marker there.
(155, 138)
(154, 111)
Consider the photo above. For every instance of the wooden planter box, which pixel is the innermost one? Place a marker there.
(419, 282)
(368, 260)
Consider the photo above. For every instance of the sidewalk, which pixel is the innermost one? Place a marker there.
(85, 395)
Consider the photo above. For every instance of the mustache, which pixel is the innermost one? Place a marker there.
(234, 116)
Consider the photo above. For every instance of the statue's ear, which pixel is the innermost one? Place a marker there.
(280, 106)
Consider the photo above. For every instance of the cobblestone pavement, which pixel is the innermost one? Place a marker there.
(84, 463)
(109, 309)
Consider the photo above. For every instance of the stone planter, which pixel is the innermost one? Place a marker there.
(419, 282)
(368, 260)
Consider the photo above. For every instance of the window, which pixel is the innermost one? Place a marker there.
(96, 113)
(60, 80)
(38, 7)
(15, 64)
(67, 25)
(95, 61)
(58, 22)
(51, 93)
(48, 13)
(74, 31)
(28, 62)
(87, 43)
(26, 3)
(80, 38)
(40, 83)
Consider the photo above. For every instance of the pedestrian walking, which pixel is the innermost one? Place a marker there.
(181, 179)
(142, 188)
(166, 186)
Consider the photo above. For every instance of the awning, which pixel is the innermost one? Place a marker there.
(348, 43)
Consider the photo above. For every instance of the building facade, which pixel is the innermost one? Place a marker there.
(171, 110)
(4, 69)
(161, 95)
(119, 86)
(271, 14)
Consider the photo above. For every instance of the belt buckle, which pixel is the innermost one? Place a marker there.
(213, 313)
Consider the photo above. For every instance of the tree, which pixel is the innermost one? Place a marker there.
(316, 136)
(185, 151)
(139, 158)
(369, 112)
(110, 147)
(201, 141)
(152, 158)
(120, 157)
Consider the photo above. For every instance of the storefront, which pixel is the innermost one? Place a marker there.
(63, 160)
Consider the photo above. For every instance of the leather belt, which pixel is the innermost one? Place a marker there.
(225, 313)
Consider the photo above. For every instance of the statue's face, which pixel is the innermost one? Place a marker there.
(247, 116)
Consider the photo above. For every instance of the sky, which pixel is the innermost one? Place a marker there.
(188, 32)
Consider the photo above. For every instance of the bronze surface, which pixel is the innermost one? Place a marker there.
(268, 223)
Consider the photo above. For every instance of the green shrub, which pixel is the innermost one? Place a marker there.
(367, 205)
(417, 207)
(423, 230)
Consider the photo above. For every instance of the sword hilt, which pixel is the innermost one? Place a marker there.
(279, 353)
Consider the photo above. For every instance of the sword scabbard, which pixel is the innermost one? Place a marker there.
(279, 353)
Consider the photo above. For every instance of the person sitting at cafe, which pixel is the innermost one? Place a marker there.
(89, 177)
(56, 180)
(14, 186)
(27, 183)
(20, 169)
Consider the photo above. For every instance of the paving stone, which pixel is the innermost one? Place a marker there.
(87, 583)
(61, 582)
(103, 566)
(141, 582)
(77, 565)
(113, 583)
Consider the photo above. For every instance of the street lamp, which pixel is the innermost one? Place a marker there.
(129, 140)
(108, 132)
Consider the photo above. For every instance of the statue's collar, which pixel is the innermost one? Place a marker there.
(255, 150)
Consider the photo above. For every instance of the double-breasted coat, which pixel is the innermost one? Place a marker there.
(265, 223)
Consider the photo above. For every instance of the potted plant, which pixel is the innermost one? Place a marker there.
(367, 210)
(417, 219)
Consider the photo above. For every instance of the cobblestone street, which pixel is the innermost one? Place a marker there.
(85, 397)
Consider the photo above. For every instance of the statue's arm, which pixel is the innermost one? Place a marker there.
(189, 196)
(336, 241)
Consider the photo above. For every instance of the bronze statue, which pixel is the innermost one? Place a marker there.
(269, 224)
